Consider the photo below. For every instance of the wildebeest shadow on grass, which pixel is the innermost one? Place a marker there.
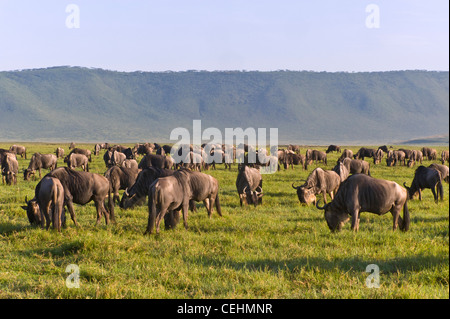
(8, 228)
(345, 264)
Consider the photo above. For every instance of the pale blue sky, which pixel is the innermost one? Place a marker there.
(161, 35)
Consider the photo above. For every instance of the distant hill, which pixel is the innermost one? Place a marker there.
(429, 140)
(94, 105)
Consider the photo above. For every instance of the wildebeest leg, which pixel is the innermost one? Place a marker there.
(395, 211)
(39, 172)
(324, 193)
(159, 217)
(355, 220)
(69, 205)
(101, 210)
(420, 193)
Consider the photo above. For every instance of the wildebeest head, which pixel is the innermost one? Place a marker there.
(411, 191)
(33, 212)
(27, 174)
(335, 218)
(305, 194)
(251, 197)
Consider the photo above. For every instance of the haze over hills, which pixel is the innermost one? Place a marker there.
(94, 105)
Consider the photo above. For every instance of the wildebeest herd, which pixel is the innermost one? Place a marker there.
(175, 186)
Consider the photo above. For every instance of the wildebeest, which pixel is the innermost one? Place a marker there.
(59, 152)
(120, 178)
(317, 156)
(443, 170)
(333, 148)
(19, 150)
(345, 154)
(86, 152)
(153, 160)
(429, 153)
(176, 191)
(72, 145)
(47, 204)
(139, 190)
(378, 156)
(81, 188)
(395, 157)
(97, 148)
(426, 177)
(249, 186)
(444, 156)
(342, 171)
(40, 161)
(356, 166)
(364, 152)
(77, 160)
(130, 163)
(362, 193)
(10, 168)
(383, 148)
(318, 182)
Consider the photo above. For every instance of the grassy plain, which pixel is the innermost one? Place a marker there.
(277, 250)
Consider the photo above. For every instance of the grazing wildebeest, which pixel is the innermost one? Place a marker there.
(362, 193)
(59, 152)
(443, 170)
(72, 145)
(429, 153)
(39, 161)
(318, 182)
(444, 156)
(81, 188)
(10, 168)
(19, 150)
(378, 156)
(77, 160)
(345, 154)
(408, 153)
(139, 190)
(120, 178)
(86, 152)
(47, 204)
(395, 157)
(364, 152)
(317, 156)
(153, 160)
(249, 186)
(295, 159)
(356, 166)
(97, 148)
(176, 191)
(426, 177)
(333, 148)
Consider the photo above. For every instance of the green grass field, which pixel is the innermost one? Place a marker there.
(277, 250)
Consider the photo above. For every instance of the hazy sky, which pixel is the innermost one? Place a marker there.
(324, 35)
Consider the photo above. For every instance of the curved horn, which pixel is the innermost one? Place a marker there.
(404, 184)
(243, 191)
(26, 199)
(318, 207)
(126, 192)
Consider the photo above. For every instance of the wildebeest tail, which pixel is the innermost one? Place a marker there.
(219, 210)
(406, 217)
